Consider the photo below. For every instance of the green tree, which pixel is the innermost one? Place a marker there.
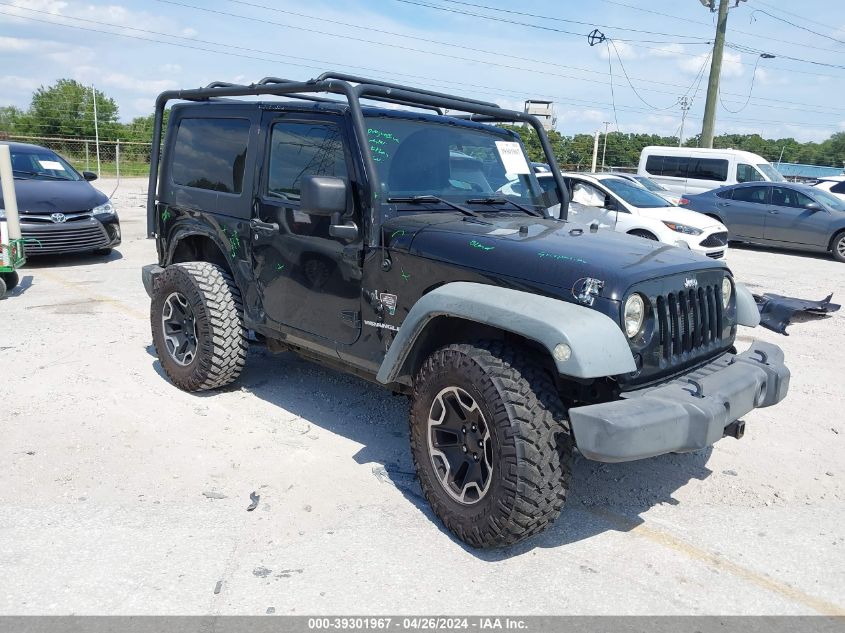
(67, 109)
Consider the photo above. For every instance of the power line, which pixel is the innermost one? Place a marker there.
(750, 90)
(801, 17)
(535, 26)
(479, 50)
(555, 19)
(323, 63)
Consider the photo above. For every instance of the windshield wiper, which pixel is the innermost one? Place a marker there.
(521, 207)
(432, 200)
(38, 173)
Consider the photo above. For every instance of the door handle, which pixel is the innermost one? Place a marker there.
(258, 225)
(773, 212)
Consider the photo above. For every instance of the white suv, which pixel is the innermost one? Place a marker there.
(626, 207)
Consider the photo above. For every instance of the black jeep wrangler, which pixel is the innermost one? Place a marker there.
(378, 240)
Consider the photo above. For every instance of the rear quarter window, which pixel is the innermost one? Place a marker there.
(210, 153)
(839, 187)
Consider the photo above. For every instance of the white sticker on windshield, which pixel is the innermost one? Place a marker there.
(512, 157)
(51, 164)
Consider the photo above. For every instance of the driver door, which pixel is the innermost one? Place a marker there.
(309, 280)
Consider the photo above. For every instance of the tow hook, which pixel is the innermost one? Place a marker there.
(735, 430)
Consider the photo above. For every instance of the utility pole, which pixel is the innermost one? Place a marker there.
(96, 130)
(685, 103)
(595, 151)
(715, 71)
(604, 148)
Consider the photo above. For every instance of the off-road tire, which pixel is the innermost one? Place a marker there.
(531, 441)
(2, 287)
(838, 247)
(218, 311)
(643, 234)
(10, 279)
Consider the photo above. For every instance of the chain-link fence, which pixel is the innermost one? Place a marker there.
(106, 158)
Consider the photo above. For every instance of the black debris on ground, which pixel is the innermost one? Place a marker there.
(776, 311)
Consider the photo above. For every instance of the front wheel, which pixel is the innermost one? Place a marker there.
(839, 247)
(10, 279)
(196, 316)
(490, 442)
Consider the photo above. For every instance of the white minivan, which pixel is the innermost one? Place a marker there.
(691, 170)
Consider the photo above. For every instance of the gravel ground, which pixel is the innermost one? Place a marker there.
(120, 494)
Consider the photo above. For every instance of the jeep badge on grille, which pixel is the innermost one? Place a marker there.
(690, 282)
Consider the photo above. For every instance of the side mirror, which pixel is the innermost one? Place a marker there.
(610, 204)
(813, 206)
(89, 175)
(323, 195)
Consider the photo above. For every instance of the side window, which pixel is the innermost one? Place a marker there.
(746, 173)
(586, 194)
(839, 187)
(675, 166)
(708, 169)
(210, 154)
(300, 149)
(654, 165)
(784, 197)
(725, 193)
(756, 195)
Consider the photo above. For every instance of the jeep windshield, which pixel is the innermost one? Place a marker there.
(425, 159)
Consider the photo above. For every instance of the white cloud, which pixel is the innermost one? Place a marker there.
(625, 50)
(14, 44)
(731, 64)
(189, 32)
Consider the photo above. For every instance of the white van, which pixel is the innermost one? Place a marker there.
(691, 170)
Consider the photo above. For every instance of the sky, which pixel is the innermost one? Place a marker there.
(133, 50)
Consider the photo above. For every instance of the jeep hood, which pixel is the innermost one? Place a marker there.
(541, 251)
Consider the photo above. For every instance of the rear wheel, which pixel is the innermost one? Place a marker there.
(196, 316)
(490, 442)
(2, 287)
(838, 247)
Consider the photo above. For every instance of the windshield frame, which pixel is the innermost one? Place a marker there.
(47, 154)
(826, 199)
(656, 186)
(766, 168)
(638, 189)
(537, 199)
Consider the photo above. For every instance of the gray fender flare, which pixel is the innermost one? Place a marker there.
(599, 348)
(747, 312)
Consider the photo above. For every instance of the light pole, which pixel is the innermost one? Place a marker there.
(604, 147)
(686, 104)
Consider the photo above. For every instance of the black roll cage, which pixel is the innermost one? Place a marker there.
(342, 84)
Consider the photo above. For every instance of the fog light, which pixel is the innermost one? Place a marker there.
(562, 352)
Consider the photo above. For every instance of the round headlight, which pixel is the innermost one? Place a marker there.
(633, 315)
(727, 290)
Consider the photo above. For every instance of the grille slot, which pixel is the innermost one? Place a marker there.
(689, 321)
(717, 239)
(67, 239)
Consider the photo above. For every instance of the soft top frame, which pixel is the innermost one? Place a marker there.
(354, 88)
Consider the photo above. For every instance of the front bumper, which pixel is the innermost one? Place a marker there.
(688, 413)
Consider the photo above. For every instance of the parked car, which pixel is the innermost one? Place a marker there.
(692, 170)
(60, 212)
(786, 215)
(651, 185)
(627, 207)
(832, 184)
